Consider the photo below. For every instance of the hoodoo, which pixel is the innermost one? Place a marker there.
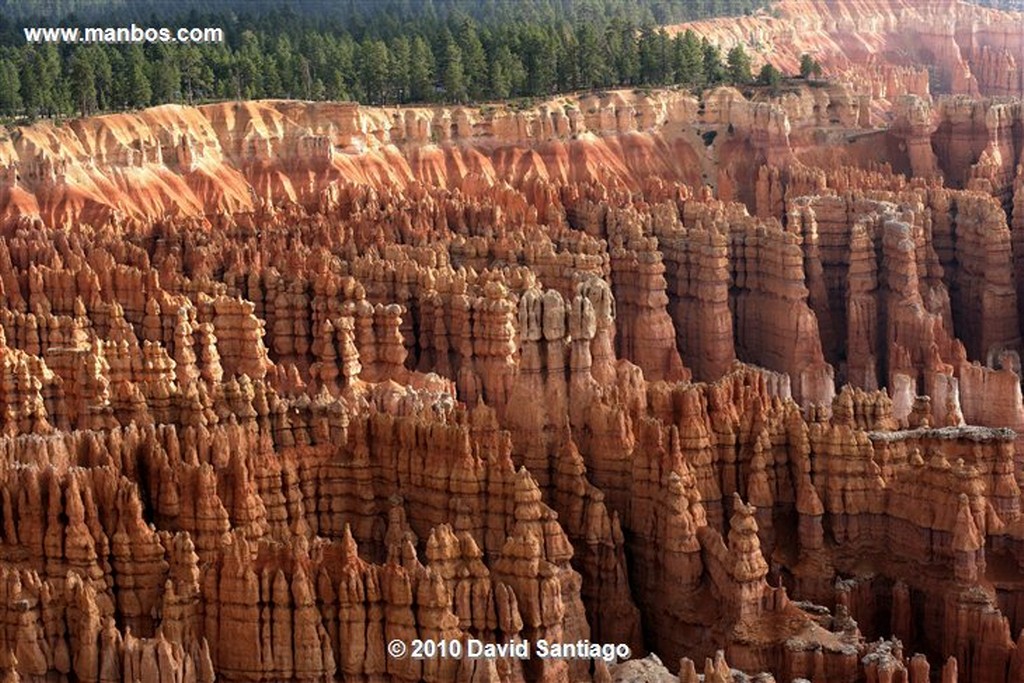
(640, 384)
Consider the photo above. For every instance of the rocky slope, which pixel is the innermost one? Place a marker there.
(886, 47)
(733, 382)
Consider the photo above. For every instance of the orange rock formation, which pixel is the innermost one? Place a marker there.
(733, 381)
(885, 47)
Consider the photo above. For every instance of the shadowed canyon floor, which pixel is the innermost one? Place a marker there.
(732, 380)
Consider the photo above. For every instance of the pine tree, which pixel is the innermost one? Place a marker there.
(285, 58)
(341, 56)
(453, 77)
(769, 75)
(104, 73)
(272, 86)
(501, 80)
(39, 77)
(10, 86)
(541, 62)
(31, 88)
(655, 56)
(508, 77)
(190, 61)
(165, 76)
(739, 65)
(474, 60)
(305, 77)
(570, 76)
(334, 78)
(223, 81)
(663, 50)
(648, 56)
(248, 66)
(689, 59)
(401, 68)
(374, 64)
(58, 96)
(421, 71)
(590, 57)
(83, 81)
(714, 70)
(809, 66)
(139, 93)
(627, 54)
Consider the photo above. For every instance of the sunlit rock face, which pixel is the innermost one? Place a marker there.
(888, 47)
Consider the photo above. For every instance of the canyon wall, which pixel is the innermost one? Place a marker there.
(733, 381)
(887, 48)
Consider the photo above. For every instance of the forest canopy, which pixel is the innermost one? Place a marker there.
(371, 51)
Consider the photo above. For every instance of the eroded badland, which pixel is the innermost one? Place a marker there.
(284, 381)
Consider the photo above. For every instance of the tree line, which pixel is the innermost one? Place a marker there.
(363, 15)
(521, 49)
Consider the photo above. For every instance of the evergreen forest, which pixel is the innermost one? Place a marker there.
(370, 51)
